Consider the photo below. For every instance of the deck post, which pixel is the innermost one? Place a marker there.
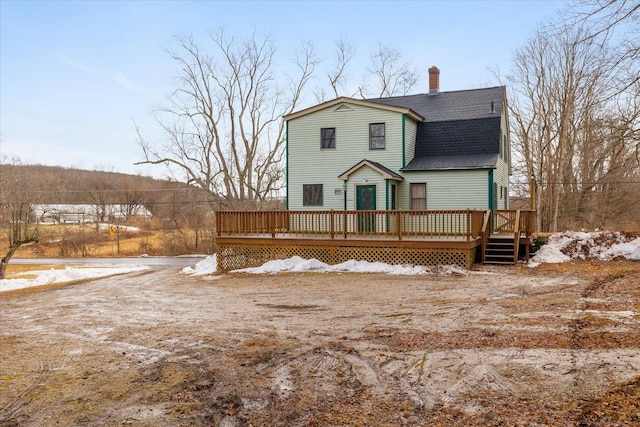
(344, 194)
(344, 222)
(331, 223)
(219, 223)
(399, 221)
(516, 237)
(272, 224)
(468, 225)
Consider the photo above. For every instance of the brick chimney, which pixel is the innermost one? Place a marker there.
(434, 80)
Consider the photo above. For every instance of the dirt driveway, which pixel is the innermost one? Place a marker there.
(509, 346)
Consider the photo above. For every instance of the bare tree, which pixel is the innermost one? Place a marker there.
(131, 198)
(606, 21)
(388, 74)
(573, 127)
(337, 74)
(223, 125)
(101, 193)
(15, 212)
(616, 23)
(391, 74)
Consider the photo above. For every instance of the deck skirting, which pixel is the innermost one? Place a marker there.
(242, 252)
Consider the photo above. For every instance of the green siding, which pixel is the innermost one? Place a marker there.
(411, 131)
(451, 189)
(308, 164)
(502, 171)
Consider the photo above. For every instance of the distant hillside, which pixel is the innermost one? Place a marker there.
(59, 185)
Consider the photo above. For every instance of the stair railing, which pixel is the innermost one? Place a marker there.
(485, 232)
(516, 237)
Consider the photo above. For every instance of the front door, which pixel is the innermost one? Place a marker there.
(366, 201)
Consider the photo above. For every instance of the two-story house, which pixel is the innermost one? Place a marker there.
(419, 179)
(435, 151)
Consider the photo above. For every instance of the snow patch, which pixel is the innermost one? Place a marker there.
(46, 277)
(296, 264)
(600, 245)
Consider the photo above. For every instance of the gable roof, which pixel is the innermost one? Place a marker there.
(362, 102)
(456, 130)
(382, 170)
(454, 105)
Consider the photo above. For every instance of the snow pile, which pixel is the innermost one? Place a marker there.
(209, 265)
(297, 265)
(628, 250)
(600, 245)
(548, 254)
(45, 277)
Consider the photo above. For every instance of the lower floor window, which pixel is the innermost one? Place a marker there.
(418, 196)
(311, 194)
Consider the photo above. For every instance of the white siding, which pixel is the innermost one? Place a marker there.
(308, 164)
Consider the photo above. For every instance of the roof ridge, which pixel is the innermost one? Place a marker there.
(440, 93)
(495, 116)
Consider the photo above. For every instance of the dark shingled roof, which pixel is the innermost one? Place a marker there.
(460, 161)
(461, 129)
(456, 105)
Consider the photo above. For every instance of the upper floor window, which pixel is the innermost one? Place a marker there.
(376, 136)
(328, 138)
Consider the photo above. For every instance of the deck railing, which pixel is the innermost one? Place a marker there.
(508, 222)
(338, 224)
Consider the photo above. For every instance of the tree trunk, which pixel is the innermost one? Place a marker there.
(3, 268)
(4, 262)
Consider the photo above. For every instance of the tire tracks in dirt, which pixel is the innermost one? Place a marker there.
(579, 339)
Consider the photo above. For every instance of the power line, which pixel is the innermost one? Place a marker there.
(586, 182)
(522, 182)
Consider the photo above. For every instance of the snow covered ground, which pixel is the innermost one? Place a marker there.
(562, 247)
(46, 277)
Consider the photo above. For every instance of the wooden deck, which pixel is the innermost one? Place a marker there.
(247, 239)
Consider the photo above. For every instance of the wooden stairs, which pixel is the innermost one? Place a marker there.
(503, 234)
(501, 249)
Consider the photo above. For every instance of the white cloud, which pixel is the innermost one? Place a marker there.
(122, 81)
(77, 65)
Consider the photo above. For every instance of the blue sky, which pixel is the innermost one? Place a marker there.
(75, 75)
